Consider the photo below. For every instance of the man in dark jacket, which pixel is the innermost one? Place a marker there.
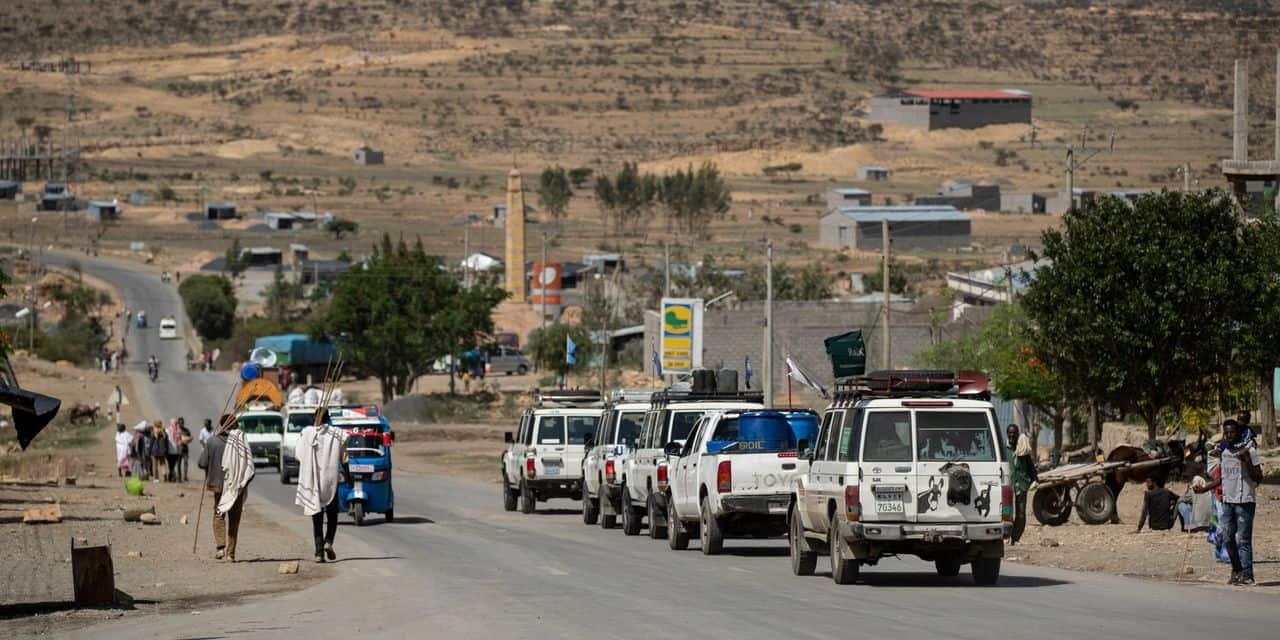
(1022, 465)
(1159, 505)
(211, 462)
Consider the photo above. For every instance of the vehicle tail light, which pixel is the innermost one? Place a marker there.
(662, 477)
(852, 503)
(724, 476)
(610, 472)
(528, 467)
(1006, 503)
(788, 454)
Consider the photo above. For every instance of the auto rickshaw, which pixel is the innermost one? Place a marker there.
(364, 485)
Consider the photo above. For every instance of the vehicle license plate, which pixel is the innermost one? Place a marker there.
(890, 501)
(551, 467)
(361, 468)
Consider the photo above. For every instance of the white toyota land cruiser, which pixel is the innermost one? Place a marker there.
(616, 435)
(906, 462)
(544, 459)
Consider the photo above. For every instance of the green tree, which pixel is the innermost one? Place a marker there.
(235, 260)
(579, 176)
(210, 303)
(1258, 351)
(547, 348)
(342, 226)
(1002, 348)
(627, 196)
(1139, 304)
(554, 192)
(898, 281)
(401, 312)
(281, 295)
(694, 198)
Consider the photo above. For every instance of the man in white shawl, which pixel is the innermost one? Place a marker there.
(123, 441)
(321, 453)
(237, 472)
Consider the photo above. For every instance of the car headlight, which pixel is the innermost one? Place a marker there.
(379, 476)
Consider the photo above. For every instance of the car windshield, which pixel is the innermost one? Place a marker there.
(300, 421)
(259, 424)
(364, 446)
(954, 436)
(629, 427)
(682, 423)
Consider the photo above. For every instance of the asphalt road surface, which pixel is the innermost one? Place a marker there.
(455, 565)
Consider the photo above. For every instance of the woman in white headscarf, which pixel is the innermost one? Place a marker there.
(124, 440)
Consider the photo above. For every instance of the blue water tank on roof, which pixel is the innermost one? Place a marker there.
(804, 426)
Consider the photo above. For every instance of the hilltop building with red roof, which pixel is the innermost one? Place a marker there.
(952, 108)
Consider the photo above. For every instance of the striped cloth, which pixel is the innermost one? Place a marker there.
(237, 469)
(320, 450)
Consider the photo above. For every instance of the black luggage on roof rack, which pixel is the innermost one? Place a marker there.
(917, 382)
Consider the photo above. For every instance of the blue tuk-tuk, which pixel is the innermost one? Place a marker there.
(365, 483)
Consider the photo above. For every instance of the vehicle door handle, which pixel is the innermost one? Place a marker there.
(788, 466)
(906, 469)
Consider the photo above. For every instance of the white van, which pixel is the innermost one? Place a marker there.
(168, 328)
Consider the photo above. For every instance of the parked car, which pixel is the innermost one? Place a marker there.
(508, 360)
(543, 459)
(601, 469)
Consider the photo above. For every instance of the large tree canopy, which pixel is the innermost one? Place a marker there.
(1140, 303)
(401, 312)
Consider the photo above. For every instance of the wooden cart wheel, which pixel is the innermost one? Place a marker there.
(1095, 503)
(1052, 505)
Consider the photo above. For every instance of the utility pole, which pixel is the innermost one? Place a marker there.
(542, 286)
(666, 283)
(605, 342)
(1071, 179)
(466, 256)
(768, 325)
(1186, 178)
(887, 334)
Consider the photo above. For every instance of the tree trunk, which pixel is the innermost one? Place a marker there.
(1267, 407)
(1093, 428)
(1058, 420)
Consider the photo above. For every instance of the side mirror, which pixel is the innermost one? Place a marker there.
(803, 450)
(672, 449)
(508, 438)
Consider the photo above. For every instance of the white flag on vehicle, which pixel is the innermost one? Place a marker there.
(803, 377)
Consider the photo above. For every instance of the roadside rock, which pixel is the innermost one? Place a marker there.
(287, 568)
(1188, 571)
(149, 518)
(135, 515)
(1049, 542)
(133, 554)
(183, 519)
(42, 515)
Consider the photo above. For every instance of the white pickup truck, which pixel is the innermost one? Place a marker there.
(670, 418)
(905, 463)
(262, 426)
(732, 477)
(543, 459)
(617, 434)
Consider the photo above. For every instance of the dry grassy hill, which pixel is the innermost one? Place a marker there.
(263, 103)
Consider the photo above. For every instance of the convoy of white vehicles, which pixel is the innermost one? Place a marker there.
(903, 463)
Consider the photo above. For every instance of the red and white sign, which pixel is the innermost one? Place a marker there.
(546, 278)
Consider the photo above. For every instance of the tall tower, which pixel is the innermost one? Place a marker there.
(515, 236)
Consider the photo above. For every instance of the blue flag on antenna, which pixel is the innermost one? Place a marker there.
(570, 351)
(746, 369)
(657, 364)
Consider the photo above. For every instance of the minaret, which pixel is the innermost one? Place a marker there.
(515, 236)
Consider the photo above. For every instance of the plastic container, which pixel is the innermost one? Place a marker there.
(764, 431)
(804, 426)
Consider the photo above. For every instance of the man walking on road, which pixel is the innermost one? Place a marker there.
(321, 453)
(211, 462)
(1023, 466)
(1240, 473)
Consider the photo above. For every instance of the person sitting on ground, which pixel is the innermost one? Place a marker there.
(1160, 504)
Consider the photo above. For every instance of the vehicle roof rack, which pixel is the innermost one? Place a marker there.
(915, 383)
(669, 396)
(569, 398)
(631, 395)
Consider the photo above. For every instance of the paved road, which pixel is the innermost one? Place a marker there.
(455, 565)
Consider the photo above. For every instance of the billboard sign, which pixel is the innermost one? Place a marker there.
(547, 282)
(681, 335)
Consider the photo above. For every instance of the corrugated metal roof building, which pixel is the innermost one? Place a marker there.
(948, 108)
(910, 228)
